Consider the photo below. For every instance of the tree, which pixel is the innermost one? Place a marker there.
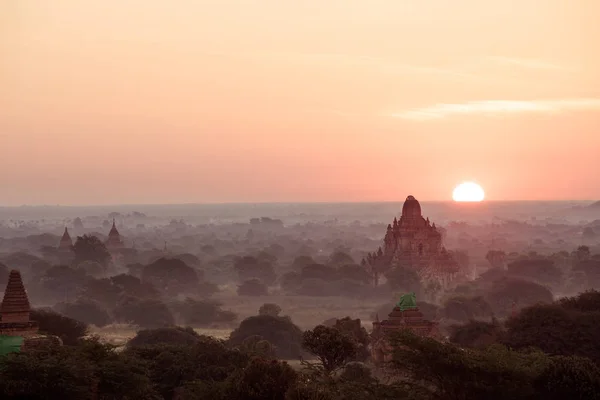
(301, 262)
(476, 334)
(496, 258)
(4, 272)
(319, 271)
(263, 379)
(85, 310)
(437, 370)
(269, 309)
(353, 328)
(555, 330)
(569, 378)
(171, 275)
(67, 329)
(330, 346)
(280, 331)
(252, 287)
(339, 258)
(201, 312)
(146, 313)
(168, 335)
(249, 267)
(404, 279)
(540, 270)
(466, 308)
(90, 248)
(355, 272)
(508, 294)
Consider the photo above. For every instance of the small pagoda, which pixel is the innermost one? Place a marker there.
(114, 238)
(66, 243)
(405, 315)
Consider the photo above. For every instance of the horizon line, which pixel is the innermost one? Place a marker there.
(282, 203)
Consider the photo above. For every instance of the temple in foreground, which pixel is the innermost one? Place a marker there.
(17, 331)
(405, 315)
(413, 242)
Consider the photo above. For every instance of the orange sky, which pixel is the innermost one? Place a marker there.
(123, 101)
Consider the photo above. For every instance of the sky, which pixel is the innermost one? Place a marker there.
(192, 101)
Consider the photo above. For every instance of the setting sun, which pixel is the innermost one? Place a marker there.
(468, 191)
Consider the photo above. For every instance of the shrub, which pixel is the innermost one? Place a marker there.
(145, 313)
(88, 311)
(69, 330)
(169, 335)
(201, 312)
(269, 309)
(280, 331)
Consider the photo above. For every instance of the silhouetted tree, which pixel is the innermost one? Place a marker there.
(330, 346)
(90, 248)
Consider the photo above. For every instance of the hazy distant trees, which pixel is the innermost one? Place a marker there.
(496, 258)
(404, 279)
(252, 287)
(249, 267)
(171, 275)
(269, 309)
(4, 272)
(90, 248)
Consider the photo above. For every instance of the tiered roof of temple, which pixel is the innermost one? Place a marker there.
(66, 243)
(114, 238)
(405, 315)
(15, 309)
(413, 242)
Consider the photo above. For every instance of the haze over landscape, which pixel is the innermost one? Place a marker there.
(299, 200)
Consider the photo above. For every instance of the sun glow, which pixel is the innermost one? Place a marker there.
(468, 191)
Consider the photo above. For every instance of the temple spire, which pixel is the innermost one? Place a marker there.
(15, 305)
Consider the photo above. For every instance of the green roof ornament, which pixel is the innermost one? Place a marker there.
(407, 301)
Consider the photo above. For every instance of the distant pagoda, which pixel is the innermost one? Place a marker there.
(114, 238)
(66, 243)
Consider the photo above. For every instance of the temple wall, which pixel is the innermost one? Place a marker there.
(16, 317)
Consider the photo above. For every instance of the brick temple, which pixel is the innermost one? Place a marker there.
(17, 331)
(414, 242)
(404, 316)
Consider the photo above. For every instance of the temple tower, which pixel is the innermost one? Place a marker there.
(66, 243)
(412, 241)
(15, 308)
(114, 238)
(17, 331)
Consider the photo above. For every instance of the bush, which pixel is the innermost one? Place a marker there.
(67, 329)
(280, 331)
(201, 312)
(144, 313)
(172, 275)
(168, 335)
(252, 287)
(464, 309)
(87, 311)
(269, 309)
(476, 334)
